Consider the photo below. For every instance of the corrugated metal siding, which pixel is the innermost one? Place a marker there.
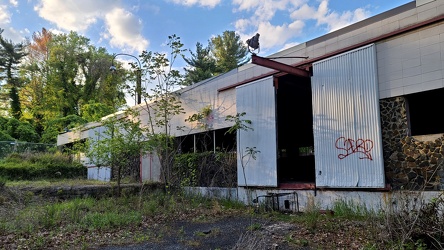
(346, 121)
(257, 100)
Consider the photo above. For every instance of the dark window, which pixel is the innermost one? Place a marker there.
(424, 111)
(204, 141)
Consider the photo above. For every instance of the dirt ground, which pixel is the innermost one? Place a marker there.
(245, 232)
(208, 230)
(256, 232)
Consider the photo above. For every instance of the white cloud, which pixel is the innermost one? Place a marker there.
(14, 35)
(298, 11)
(331, 19)
(124, 30)
(73, 15)
(261, 21)
(13, 3)
(203, 3)
(277, 35)
(5, 16)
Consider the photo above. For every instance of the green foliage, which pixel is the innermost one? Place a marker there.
(119, 145)
(94, 111)
(201, 65)
(3, 181)
(351, 210)
(229, 51)
(201, 117)
(4, 136)
(19, 130)
(206, 169)
(55, 126)
(238, 123)
(26, 132)
(11, 54)
(165, 102)
(40, 166)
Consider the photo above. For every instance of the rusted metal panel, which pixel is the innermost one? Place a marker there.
(278, 66)
(346, 121)
(257, 100)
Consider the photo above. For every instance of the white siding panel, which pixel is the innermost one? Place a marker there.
(347, 131)
(257, 100)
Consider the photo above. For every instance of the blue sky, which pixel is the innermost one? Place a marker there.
(131, 26)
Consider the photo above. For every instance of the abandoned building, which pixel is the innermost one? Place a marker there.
(353, 114)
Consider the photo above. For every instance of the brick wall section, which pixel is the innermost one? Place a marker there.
(409, 163)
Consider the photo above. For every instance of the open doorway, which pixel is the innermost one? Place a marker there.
(295, 142)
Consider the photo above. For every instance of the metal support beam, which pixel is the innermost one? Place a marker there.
(278, 66)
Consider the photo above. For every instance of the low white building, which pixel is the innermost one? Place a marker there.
(354, 120)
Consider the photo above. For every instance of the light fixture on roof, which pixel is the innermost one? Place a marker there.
(253, 43)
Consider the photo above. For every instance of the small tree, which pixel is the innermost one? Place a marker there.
(250, 152)
(162, 102)
(120, 145)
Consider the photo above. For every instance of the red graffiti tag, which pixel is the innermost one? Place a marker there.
(351, 146)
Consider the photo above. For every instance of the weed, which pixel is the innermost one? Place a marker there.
(255, 226)
(28, 197)
(3, 181)
(351, 210)
(297, 242)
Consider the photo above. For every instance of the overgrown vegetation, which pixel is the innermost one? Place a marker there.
(28, 221)
(206, 169)
(26, 166)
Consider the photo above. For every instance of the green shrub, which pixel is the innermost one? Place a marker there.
(40, 166)
(205, 169)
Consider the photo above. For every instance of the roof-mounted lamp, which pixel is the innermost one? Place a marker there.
(253, 43)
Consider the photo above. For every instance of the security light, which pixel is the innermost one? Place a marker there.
(253, 43)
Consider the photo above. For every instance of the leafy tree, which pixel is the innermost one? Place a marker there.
(79, 73)
(54, 126)
(162, 103)
(19, 130)
(26, 132)
(63, 86)
(119, 145)
(229, 51)
(10, 56)
(4, 136)
(64, 74)
(93, 111)
(35, 73)
(201, 65)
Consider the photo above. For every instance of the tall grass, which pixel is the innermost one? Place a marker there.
(32, 166)
(352, 210)
(102, 214)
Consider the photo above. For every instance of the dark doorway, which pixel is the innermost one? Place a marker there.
(294, 130)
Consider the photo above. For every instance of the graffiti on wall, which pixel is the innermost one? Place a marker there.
(348, 146)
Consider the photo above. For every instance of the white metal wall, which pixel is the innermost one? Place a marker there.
(257, 100)
(346, 122)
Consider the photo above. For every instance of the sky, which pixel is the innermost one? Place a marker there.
(132, 26)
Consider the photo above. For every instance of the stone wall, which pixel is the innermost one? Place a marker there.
(410, 162)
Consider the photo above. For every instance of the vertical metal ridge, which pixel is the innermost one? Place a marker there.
(347, 133)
